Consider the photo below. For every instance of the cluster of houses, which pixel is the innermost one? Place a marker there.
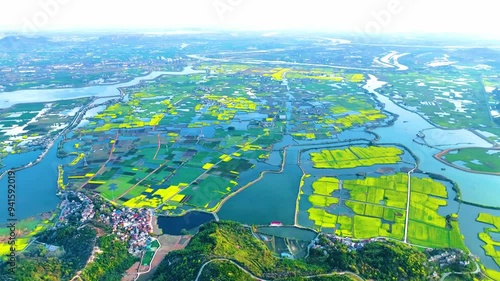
(75, 205)
(133, 225)
(448, 257)
(351, 244)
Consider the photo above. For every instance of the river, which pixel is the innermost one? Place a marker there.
(8, 99)
(475, 188)
(273, 198)
(404, 131)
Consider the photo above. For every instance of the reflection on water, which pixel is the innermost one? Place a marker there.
(476, 188)
(289, 232)
(189, 221)
(270, 199)
(36, 187)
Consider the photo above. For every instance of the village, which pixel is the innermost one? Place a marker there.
(132, 225)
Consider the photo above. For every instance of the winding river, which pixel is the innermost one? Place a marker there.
(475, 188)
(7, 99)
(271, 198)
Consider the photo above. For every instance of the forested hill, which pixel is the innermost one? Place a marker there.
(231, 241)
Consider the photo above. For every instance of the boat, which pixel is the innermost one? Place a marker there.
(275, 223)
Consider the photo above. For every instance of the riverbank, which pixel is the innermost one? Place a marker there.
(262, 174)
(438, 156)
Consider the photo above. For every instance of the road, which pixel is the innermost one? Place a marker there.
(357, 277)
(200, 176)
(149, 267)
(408, 204)
(478, 270)
(230, 261)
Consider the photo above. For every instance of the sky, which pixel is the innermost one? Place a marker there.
(369, 16)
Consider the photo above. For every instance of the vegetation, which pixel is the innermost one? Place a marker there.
(111, 263)
(491, 246)
(475, 159)
(41, 264)
(231, 241)
(356, 157)
(379, 207)
(376, 260)
(222, 271)
(443, 97)
(228, 240)
(66, 251)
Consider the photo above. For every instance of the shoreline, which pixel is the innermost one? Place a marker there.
(78, 117)
(153, 223)
(79, 87)
(81, 113)
(438, 156)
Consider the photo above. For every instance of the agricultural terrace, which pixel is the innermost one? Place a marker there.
(454, 100)
(378, 208)
(491, 246)
(475, 159)
(352, 157)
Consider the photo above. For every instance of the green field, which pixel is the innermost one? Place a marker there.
(356, 157)
(208, 190)
(147, 258)
(379, 206)
(476, 159)
(490, 244)
(443, 99)
(426, 227)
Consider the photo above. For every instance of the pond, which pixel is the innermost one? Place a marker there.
(189, 221)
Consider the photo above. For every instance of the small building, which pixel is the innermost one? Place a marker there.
(275, 223)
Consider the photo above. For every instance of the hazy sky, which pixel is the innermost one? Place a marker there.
(477, 16)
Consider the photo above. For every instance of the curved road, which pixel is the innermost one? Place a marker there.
(478, 270)
(227, 260)
(357, 277)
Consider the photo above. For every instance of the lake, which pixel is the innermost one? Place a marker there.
(36, 187)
